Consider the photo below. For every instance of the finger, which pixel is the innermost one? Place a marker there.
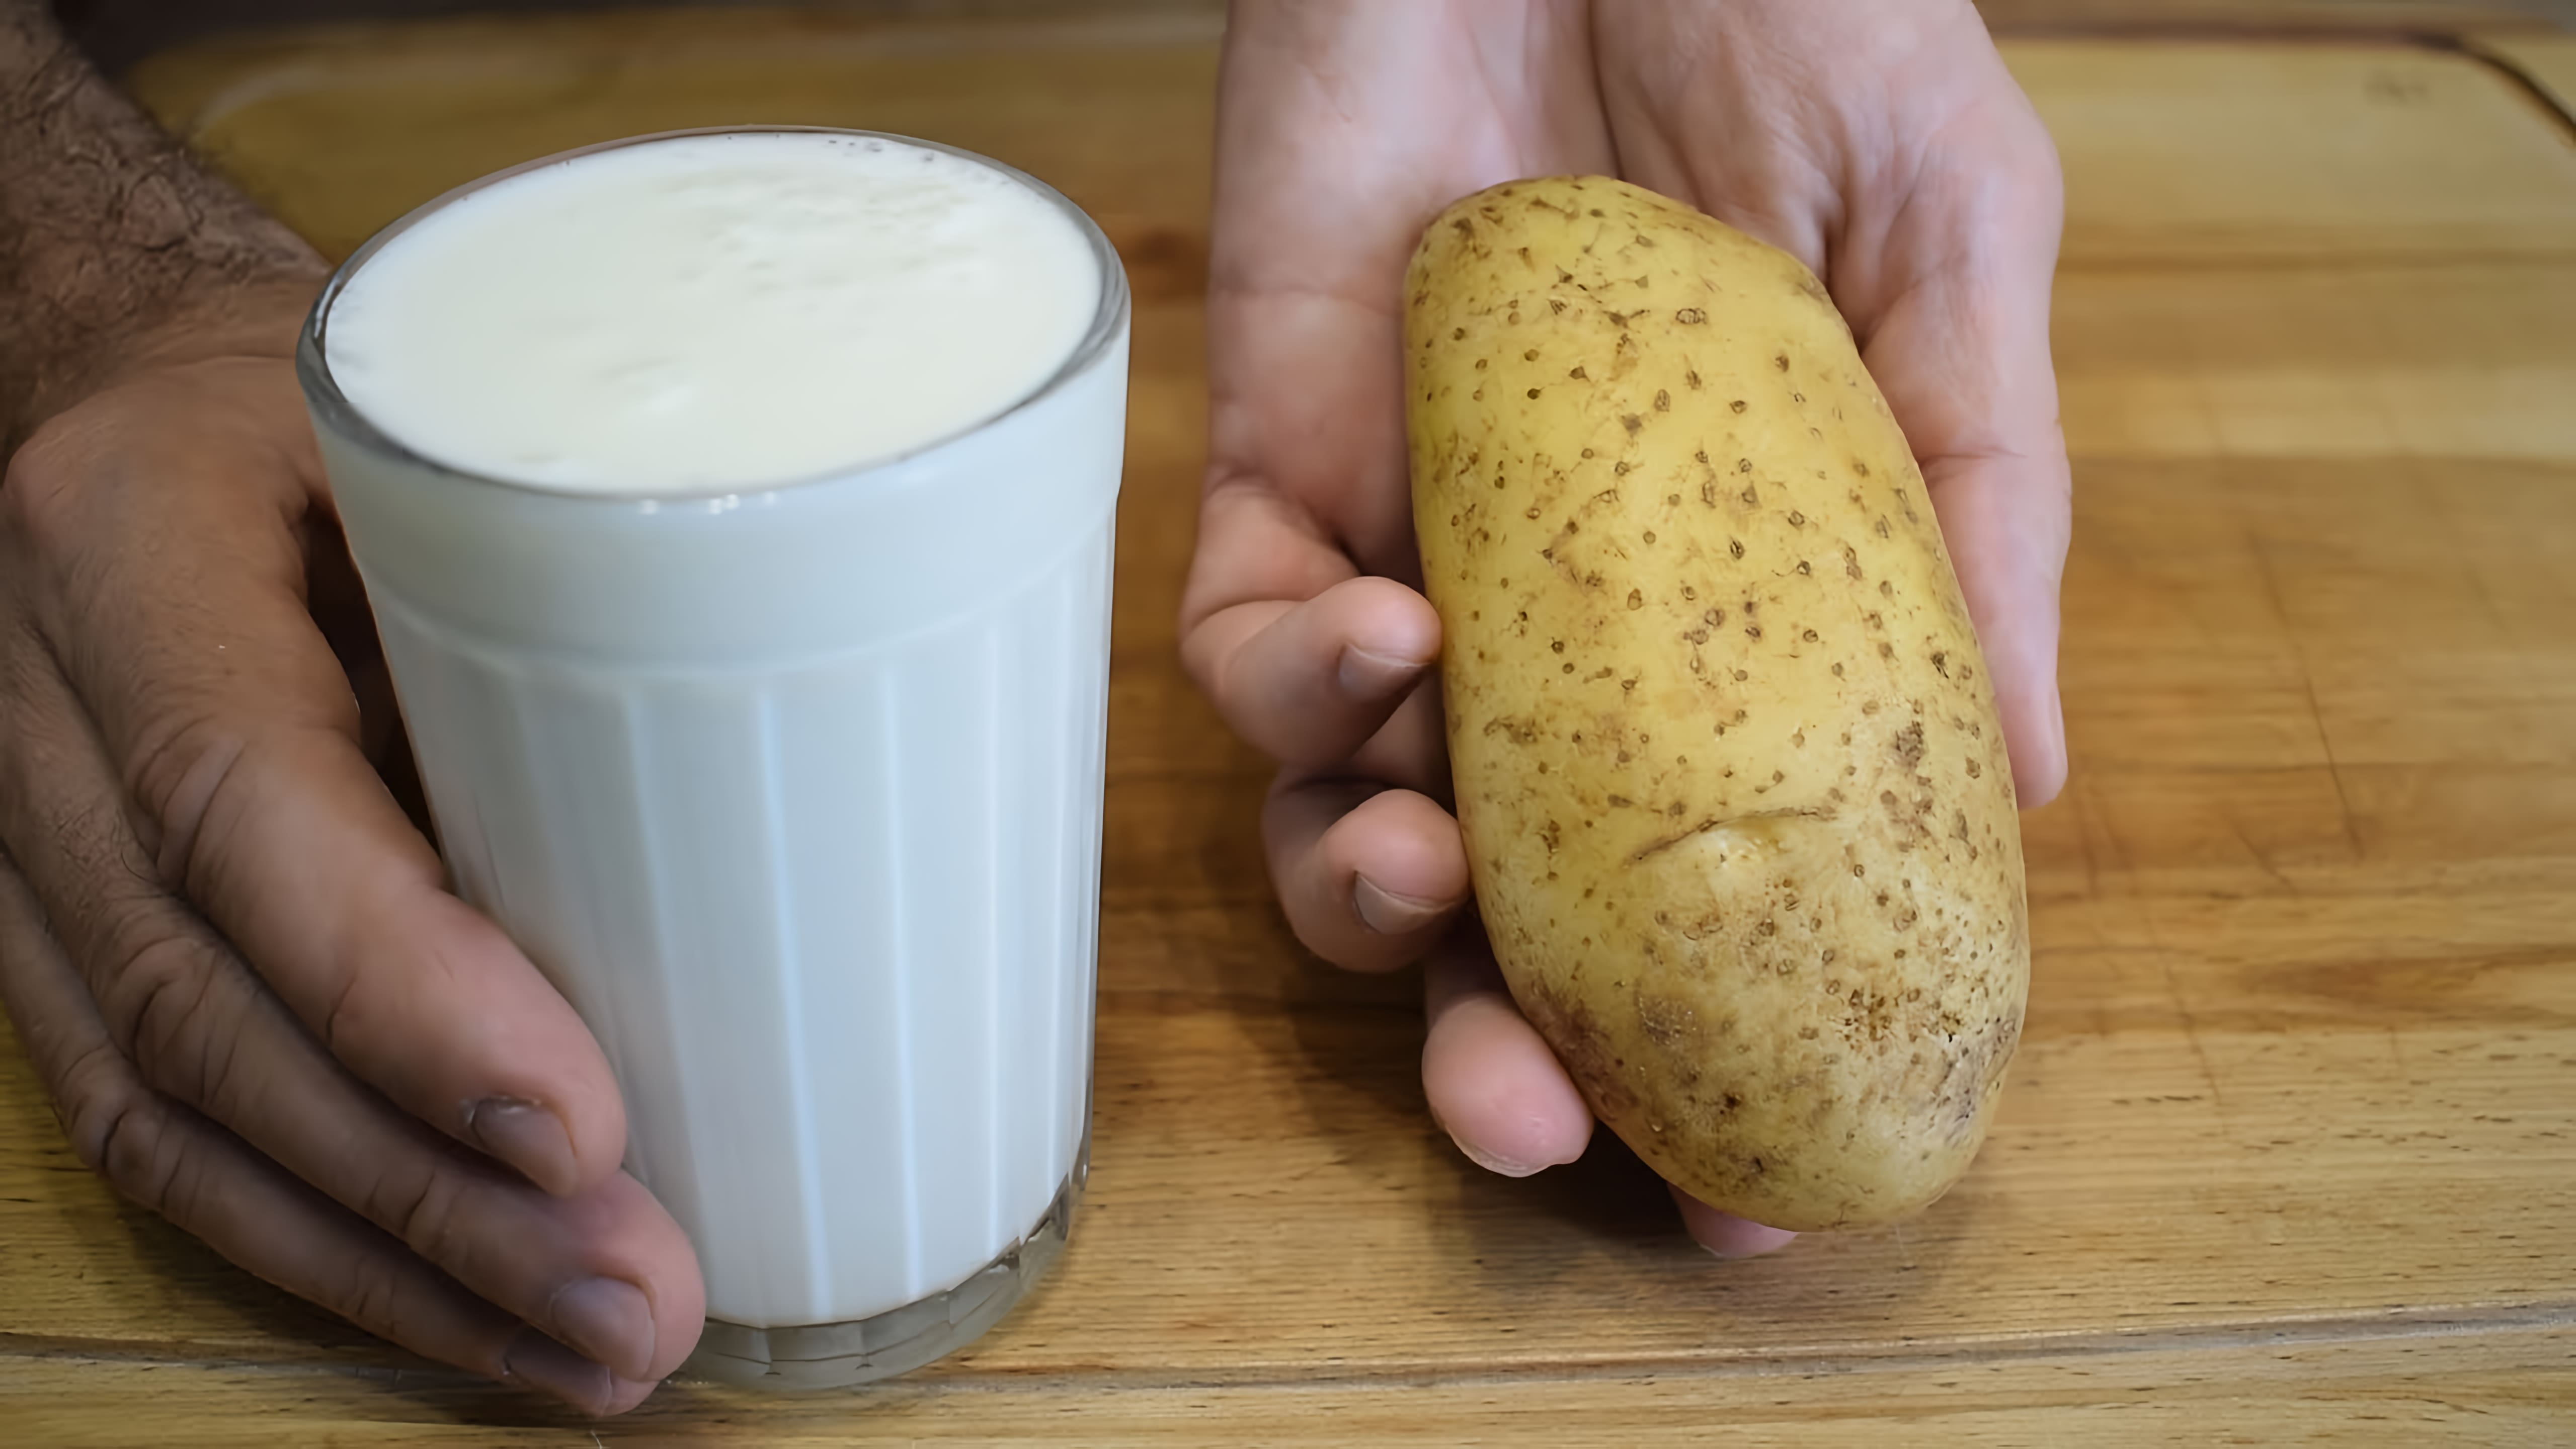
(1307, 683)
(1341, 131)
(1962, 352)
(1492, 1083)
(606, 1271)
(202, 1178)
(2005, 518)
(1411, 751)
(1938, 240)
(1369, 876)
(167, 567)
(1725, 1234)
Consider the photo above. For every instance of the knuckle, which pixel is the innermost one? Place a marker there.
(41, 489)
(153, 993)
(423, 1206)
(97, 1092)
(345, 1012)
(158, 975)
(138, 1152)
(183, 767)
(372, 1294)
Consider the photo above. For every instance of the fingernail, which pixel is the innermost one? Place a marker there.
(540, 1362)
(608, 1319)
(1491, 1163)
(1744, 1240)
(1390, 914)
(1375, 676)
(526, 1136)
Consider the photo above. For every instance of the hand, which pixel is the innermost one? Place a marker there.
(229, 952)
(1881, 141)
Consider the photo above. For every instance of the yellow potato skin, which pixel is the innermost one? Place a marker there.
(1734, 792)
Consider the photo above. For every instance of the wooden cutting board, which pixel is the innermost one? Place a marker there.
(2290, 1150)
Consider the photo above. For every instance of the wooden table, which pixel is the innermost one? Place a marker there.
(2290, 1150)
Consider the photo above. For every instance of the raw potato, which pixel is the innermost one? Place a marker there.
(1734, 792)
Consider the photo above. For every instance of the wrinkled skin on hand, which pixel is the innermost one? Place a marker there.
(230, 953)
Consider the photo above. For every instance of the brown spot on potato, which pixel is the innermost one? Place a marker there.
(1671, 1023)
(1908, 746)
(1581, 1046)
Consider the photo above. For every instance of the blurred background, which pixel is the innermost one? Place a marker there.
(119, 32)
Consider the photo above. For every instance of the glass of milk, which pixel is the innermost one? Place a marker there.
(736, 511)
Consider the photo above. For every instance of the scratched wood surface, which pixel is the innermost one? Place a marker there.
(2290, 1150)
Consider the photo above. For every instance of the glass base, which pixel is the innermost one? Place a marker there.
(899, 1340)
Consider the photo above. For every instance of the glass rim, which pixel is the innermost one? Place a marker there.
(333, 408)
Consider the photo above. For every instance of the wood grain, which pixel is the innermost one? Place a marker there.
(2274, 1389)
(2371, 150)
(2547, 62)
(2290, 1153)
(2296, 18)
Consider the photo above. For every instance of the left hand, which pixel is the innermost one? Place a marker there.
(1880, 141)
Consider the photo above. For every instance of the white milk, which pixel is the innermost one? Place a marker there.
(713, 313)
(736, 512)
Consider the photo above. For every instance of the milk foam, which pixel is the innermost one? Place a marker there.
(713, 313)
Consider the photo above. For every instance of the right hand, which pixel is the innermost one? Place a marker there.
(229, 953)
